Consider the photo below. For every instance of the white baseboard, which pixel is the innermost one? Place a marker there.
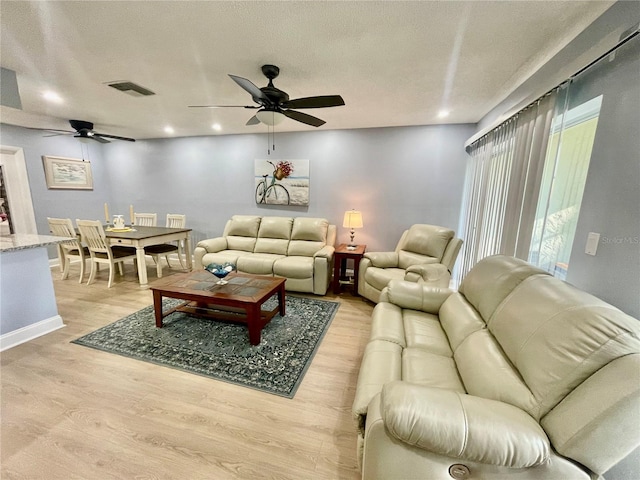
(35, 330)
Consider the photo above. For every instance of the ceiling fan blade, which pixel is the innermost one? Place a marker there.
(52, 130)
(321, 101)
(58, 134)
(96, 134)
(253, 121)
(224, 106)
(255, 92)
(98, 138)
(304, 118)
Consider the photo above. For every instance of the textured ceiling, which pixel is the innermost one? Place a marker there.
(394, 63)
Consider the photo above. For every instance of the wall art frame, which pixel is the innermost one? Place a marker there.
(282, 182)
(67, 173)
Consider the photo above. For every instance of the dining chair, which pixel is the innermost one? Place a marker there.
(101, 251)
(62, 227)
(145, 219)
(163, 250)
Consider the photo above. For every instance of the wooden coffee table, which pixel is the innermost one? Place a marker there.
(240, 300)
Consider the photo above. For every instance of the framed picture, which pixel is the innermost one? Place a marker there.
(67, 173)
(282, 182)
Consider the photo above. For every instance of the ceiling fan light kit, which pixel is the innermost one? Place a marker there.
(270, 117)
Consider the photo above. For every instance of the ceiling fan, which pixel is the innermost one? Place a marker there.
(273, 103)
(84, 132)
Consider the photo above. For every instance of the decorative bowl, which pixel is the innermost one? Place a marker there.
(220, 270)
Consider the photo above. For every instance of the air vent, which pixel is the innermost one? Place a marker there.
(132, 89)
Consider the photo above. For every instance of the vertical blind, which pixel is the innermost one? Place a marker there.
(502, 185)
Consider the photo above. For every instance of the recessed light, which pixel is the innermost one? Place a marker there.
(52, 97)
(216, 127)
(169, 130)
(443, 113)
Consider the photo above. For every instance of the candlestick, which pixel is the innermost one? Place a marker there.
(106, 213)
(131, 214)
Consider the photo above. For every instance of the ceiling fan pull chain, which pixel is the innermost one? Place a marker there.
(268, 142)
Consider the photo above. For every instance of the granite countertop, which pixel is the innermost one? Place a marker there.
(23, 241)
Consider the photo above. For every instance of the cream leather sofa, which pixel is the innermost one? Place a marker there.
(516, 375)
(299, 249)
(424, 253)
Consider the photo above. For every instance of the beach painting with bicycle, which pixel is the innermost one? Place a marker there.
(282, 182)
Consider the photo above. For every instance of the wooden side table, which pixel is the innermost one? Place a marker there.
(341, 255)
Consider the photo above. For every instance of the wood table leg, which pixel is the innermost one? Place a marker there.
(281, 300)
(254, 323)
(336, 275)
(157, 308)
(142, 267)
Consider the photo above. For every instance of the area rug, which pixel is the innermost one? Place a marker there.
(221, 350)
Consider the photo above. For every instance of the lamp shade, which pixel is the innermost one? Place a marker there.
(352, 219)
(269, 117)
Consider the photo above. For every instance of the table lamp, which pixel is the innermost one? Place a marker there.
(352, 220)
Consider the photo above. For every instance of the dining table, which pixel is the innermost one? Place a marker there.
(140, 237)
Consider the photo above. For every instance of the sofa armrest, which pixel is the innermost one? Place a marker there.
(213, 245)
(383, 259)
(431, 273)
(325, 252)
(416, 296)
(463, 426)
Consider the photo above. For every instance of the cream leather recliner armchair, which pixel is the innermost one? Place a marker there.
(425, 253)
(518, 375)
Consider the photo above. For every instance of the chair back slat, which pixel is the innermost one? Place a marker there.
(175, 221)
(62, 227)
(93, 235)
(146, 219)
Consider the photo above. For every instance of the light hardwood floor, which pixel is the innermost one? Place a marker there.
(72, 412)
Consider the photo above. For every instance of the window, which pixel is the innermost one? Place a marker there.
(563, 181)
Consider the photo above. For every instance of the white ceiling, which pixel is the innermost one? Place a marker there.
(394, 63)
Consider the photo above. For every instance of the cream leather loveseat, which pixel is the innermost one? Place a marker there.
(299, 249)
(517, 375)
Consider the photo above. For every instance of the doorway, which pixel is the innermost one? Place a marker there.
(15, 186)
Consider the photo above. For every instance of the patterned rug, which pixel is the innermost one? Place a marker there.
(221, 350)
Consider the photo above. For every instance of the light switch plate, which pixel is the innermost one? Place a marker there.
(592, 243)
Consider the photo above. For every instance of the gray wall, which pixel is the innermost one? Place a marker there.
(395, 176)
(611, 202)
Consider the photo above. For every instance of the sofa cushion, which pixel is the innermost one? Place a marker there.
(423, 330)
(492, 279)
(557, 336)
(380, 277)
(387, 324)
(258, 263)
(308, 235)
(243, 226)
(429, 369)
(294, 267)
(381, 363)
(224, 256)
(459, 319)
(241, 232)
(487, 373)
(428, 240)
(274, 235)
